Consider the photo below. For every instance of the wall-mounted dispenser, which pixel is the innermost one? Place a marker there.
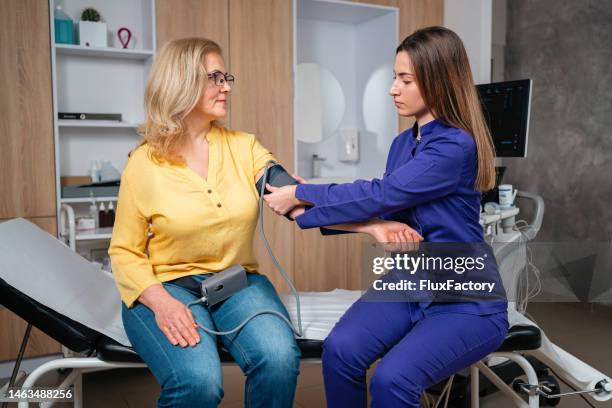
(348, 150)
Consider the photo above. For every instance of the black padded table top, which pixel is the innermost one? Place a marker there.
(80, 338)
(111, 351)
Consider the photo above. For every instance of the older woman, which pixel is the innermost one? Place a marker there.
(188, 208)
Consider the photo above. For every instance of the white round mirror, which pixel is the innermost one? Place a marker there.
(319, 103)
(379, 114)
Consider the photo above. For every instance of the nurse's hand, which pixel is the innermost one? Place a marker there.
(173, 318)
(281, 200)
(395, 236)
(299, 179)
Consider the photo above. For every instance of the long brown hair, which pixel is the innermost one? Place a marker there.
(444, 78)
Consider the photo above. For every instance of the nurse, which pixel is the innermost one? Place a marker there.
(434, 177)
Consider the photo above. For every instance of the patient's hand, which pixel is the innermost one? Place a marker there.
(173, 317)
(395, 236)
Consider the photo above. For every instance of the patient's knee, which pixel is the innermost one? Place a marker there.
(192, 387)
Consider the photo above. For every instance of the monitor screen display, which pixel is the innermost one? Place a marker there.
(506, 110)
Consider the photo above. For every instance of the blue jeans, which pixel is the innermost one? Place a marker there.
(191, 377)
(416, 351)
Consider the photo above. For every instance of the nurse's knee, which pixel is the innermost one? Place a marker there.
(393, 379)
(336, 344)
(337, 348)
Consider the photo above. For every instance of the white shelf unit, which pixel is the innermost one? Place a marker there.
(98, 80)
(97, 234)
(95, 124)
(76, 200)
(69, 49)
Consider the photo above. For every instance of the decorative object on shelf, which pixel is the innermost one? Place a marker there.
(94, 171)
(124, 32)
(85, 224)
(106, 215)
(93, 210)
(111, 213)
(102, 216)
(64, 27)
(92, 32)
(74, 180)
(89, 116)
(108, 172)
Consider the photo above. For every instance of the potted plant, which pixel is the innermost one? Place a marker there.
(92, 32)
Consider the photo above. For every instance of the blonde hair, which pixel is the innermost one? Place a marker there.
(173, 89)
(445, 81)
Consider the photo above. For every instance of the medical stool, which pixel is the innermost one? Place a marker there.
(519, 338)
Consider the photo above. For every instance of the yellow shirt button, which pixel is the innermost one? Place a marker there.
(219, 205)
(209, 191)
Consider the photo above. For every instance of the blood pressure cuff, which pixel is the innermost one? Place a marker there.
(277, 177)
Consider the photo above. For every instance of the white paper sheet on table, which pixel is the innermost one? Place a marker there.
(320, 310)
(43, 268)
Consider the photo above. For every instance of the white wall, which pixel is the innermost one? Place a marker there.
(471, 20)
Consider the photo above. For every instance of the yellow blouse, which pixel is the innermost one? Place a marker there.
(170, 222)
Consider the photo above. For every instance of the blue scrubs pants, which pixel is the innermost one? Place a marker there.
(417, 349)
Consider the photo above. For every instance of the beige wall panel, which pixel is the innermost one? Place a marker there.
(192, 18)
(321, 262)
(261, 55)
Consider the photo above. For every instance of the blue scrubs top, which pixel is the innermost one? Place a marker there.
(428, 184)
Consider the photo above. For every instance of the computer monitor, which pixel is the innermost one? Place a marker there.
(506, 109)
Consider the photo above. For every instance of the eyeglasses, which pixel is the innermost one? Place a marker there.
(220, 78)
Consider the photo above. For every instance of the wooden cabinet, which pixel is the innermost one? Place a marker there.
(192, 18)
(27, 166)
(261, 56)
(323, 263)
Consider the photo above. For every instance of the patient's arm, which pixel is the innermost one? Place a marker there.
(395, 236)
(381, 230)
(173, 317)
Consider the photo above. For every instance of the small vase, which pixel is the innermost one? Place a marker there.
(92, 34)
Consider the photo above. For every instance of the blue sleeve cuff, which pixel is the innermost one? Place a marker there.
(314, 193)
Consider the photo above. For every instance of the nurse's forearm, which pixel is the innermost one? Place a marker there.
(363, 227)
